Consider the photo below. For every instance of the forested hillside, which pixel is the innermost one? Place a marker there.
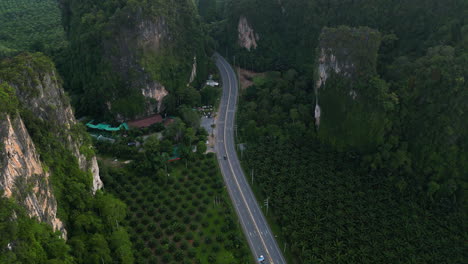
(363, 147)
(290, 29)
(56, 188)
(31, 25)
(126, 56)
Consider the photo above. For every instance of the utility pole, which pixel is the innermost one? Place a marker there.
(284, 250)
(252, 173)
(266, 204)
(236, 133)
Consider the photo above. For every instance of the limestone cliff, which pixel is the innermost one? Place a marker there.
(35, 84)
(347, 52)
(142, 51)
(148, 36)
(22, 175)
(352, 102)
(40, 91)
(246, 35)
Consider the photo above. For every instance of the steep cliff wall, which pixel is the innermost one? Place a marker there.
(22, 175)
(346, 52)
(351, 101)
(141, 51)
(31, 79)
(40, 91)
(246, 35)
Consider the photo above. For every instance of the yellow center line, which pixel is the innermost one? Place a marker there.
(235, 178)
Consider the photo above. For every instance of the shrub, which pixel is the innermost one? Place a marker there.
(162, 209)
(157, 218)
(158, 250)
(164, 224)
(176, 238)
(191, 210)
(146, 235)
(157, 233)
(172, 247)
(192, 253)
(169, 216)
(219, 239)
(179, 255)
(216, 248)
(152, 242)
(189, 236)
(145, 220)
(169, 231)
(198, 217)
(139, 228)
(151, 226)
(167, 257)
(184, 245)
(180, 213)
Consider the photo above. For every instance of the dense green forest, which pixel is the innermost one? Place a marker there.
(384, 176)
(30, 241)
(118, 48)
(93, 230)
(382, 179)
(31, 25)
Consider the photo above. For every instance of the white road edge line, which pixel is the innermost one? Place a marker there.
(232, 170)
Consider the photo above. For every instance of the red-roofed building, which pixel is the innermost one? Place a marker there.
(146, 122)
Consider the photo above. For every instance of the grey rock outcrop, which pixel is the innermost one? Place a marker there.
(50, 103)
(22, 175)
(246, 34)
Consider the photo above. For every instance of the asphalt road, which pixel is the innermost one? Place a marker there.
(259, 236)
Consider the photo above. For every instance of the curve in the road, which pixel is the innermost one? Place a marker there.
(254, 224)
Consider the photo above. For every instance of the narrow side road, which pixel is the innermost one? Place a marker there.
(254, 224)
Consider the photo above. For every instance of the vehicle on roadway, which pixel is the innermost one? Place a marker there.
(225, 158)
(261, 259)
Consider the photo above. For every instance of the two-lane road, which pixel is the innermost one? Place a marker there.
(254, 224)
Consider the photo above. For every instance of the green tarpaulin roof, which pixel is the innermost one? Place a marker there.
(107, 127)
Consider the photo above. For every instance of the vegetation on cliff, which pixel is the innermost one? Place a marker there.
(93, 231)
(117, 48)
(384, 178)
(24, 240)
(32, 26)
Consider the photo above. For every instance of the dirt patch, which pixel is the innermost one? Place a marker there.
(246, 77)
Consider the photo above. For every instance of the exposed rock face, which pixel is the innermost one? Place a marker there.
(148, 36)
(153, 33)
(247, 37)
(193, 74)
(22, 174)
(157, 92)
(50, 104)
(341, 52)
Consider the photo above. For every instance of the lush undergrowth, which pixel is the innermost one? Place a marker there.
(336, 206)
(182, 217)
(30, 25)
